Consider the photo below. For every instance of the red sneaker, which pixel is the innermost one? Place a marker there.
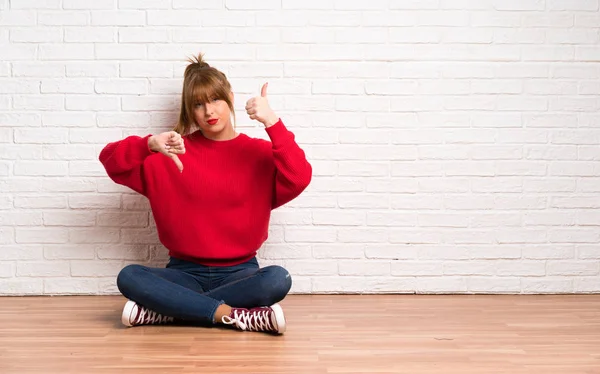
(265, 318)
(134, 315)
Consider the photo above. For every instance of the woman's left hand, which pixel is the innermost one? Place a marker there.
(258, 108)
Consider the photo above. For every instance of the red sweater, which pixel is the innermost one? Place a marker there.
(216, 212)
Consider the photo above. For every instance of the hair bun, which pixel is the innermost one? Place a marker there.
(200, 61)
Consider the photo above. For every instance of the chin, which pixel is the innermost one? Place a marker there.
(213, 129)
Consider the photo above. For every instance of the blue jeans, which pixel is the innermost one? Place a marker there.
(192, 292)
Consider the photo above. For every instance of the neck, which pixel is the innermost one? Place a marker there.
(227, 133)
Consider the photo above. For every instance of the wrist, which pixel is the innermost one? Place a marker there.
(271, 120)
(151, 143)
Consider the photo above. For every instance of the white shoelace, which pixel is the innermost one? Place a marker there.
(251, 321)
(151, 317)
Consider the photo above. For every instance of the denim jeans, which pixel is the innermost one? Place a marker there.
(192, 292)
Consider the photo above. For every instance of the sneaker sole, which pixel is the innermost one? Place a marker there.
(279, 318)
(127, 310)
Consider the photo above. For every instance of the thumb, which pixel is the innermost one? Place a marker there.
(177, 161)
(263, 90)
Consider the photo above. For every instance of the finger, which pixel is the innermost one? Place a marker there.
(170, 143)
(177, 162)
(263, 90)
(175, 149)
(251, 111)
(174, 138)
(176, 142)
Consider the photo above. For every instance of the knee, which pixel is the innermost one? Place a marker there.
(277, 283)
(126, 276)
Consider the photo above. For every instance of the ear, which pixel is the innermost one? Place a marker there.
(231, 97)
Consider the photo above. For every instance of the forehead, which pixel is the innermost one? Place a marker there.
(207, 92)
(203, 92)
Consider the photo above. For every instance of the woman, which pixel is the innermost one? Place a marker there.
(211, 190)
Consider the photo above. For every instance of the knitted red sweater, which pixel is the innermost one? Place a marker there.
(216, 212)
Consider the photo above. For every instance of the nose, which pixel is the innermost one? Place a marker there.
(208, 107)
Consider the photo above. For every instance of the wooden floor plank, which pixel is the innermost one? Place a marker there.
(515, 334)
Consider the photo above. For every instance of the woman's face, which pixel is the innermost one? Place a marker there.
(214, 118)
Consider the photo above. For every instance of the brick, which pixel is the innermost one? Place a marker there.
(69, 218)
(586, 285)
(36, 35)
(543, 252)
(19, 287)
(310, 235)
(362, 235)
(364, 268)
(551, 152)
(312, 267)
(17, 119)
(18, 18)
(69, 52)
(68, 185)
(123, 219)
(77, 86)
(70, 286)
(89, 34)
(40, 168)
(121, 17)
(43, 269)
(94, 201)
(566, 5)
(120, 51)
(92, 69)
(523, 268)
(336, 250)
(7, 270)
(40, 202)
(42, 102)
(63, 18)
(11, 252)
(572, 268)
(494, 285)
(95, 268)
(20, 185)
(147, 4)
(69, 152)
(574, 235)
(99, 4)
(130, 252)
(146, 69)
(69, 252)
(41, 235)
(405, 236)
(551, 285)
(440, 285)
(38, 69)
(89, 102)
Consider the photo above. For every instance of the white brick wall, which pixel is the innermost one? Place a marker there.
(455, 143)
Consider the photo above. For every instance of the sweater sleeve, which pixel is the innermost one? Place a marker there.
(123, 161)
(293, 172)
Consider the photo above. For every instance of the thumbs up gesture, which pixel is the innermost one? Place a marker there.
(258, 108)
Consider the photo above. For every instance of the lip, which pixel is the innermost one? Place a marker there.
(212, 121)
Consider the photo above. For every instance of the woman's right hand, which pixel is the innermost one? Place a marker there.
(169, 144)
